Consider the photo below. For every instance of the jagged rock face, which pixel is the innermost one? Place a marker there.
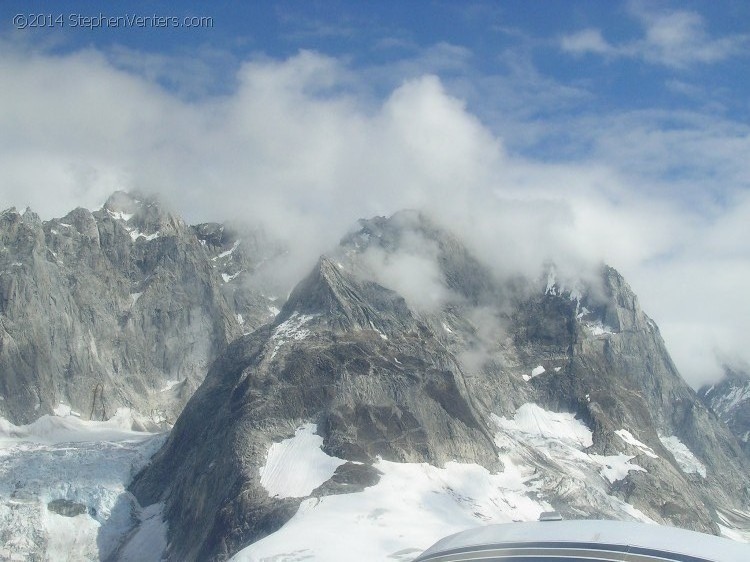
(120, 307)
(617, 376)
(344, 353)
(381, 378)
(730, 401)
(238, 253)
(599, 355)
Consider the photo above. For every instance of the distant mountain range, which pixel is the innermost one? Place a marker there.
(400, 362)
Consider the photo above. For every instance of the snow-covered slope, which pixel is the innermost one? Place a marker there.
(63, 491)
(296, 466)
(415, 504)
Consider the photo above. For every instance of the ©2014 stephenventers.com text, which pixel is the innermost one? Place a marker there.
(103, 21)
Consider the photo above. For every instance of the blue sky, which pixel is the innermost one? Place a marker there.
(625, 71)
(580, 131)
(543, 62)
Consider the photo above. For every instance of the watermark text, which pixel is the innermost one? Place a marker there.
(102, 21)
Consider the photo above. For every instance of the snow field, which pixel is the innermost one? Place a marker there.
(87, 463)
(533, 421)
(296, 466)
(564, 439)
(411, 506)
(415, 504)
(543, 455)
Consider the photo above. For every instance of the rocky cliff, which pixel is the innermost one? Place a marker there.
(125, 306)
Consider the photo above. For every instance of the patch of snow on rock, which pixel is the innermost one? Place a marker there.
(119, 215)
(532, 420)
(551, 280)
(599, 329)
(626, 436)
(227, 252)
(135, 234)
(170, 384)
(737, 395)
(228, 278)
(685, 458)
(290, 329)
(616, 467)
(296, 466)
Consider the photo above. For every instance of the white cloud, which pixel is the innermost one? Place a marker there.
(587, 41)
(305, 148)
(671, 38)
(415, 276)
(679, 38)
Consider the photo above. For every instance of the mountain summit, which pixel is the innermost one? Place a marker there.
(553, 396)
(345, 354)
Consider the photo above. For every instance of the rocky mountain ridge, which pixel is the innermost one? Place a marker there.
(384, 376)
(400, 349)
(125, 306)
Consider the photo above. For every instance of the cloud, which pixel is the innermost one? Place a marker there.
(587, 41)
(306, 145)
(677, 39)
(413, 273)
